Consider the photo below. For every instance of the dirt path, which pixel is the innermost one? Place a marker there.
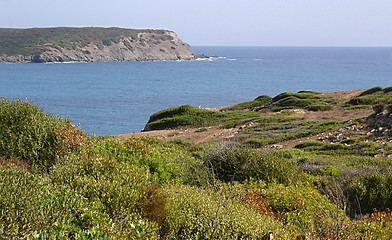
(191, 134)
(218, 133)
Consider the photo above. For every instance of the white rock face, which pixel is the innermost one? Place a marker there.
(149, 46)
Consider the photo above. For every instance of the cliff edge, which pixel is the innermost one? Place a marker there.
(40, 45)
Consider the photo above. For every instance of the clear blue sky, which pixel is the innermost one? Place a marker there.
(220, 22)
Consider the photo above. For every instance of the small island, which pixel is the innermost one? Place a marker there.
(91, 44)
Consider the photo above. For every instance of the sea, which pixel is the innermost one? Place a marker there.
(118, 97)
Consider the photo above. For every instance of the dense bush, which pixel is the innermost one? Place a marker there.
(371, 91)
(119, 187)
(232, 163)
(368, 192)
(194, 213)
(387, 90)
(33, 208)
(28, 133)
(311, 212)
(166, 161)
(312, 101)
(191, 116)
(251, 105)
(307, 144)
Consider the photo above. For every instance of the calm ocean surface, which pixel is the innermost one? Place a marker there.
(114, 98)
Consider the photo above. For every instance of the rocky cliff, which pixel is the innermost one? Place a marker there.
(91, 45)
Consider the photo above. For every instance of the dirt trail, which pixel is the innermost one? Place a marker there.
(191, 134)
(219, 133)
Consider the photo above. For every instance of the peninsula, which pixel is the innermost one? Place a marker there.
(91, 44)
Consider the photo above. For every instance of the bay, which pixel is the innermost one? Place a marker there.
(118, 97)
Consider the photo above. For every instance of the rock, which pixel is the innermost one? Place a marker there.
(149, 45)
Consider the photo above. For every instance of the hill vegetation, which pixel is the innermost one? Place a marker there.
(31, 41)
(90, 44)
(56, 182)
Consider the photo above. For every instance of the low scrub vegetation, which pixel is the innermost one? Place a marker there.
(58, 183)
(191, 116)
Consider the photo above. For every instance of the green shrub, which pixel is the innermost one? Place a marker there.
(191, 116)
(200, 214)
(367, 192)
(167, 161)
(371, 91)
(119, 187)
(377, 225)
(232, 163)
(254, 142)
(230, 124)
(32, 208)
(307, 144)
(202, 130)
(28, 133)
(362, 100)
(387, 89)
(311, 101)
(107, 42)
(331, 171)
(251, 105)
(311, 212)
(263, 98)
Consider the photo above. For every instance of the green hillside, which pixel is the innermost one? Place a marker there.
(56, 182)
(31, 41)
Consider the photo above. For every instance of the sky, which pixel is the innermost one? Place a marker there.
(220, 22)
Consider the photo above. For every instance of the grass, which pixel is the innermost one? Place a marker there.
(312, 101)
(372, 96)
(191, 116)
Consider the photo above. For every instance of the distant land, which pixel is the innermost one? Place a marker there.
(91, 44)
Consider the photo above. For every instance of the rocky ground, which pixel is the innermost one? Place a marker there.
(218, 133)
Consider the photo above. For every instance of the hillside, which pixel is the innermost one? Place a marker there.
(91, 44)
(303, 165)
(284, 121)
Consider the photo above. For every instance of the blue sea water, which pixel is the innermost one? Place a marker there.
(119, 97)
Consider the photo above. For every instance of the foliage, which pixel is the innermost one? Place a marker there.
(33, 208)
(387, 90)
(306, 144)
(312, 101)
(371, 91)
(191, 116)
(284, 131)
(34, 41)
(311, 212)
(119, 187)
(28, 133)
(194, 213)
(370, 191)
(232, 163)
(377, 225)
(204, 129)
(166, 161)
(106, 188)
(251, 105)
(372, 96)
